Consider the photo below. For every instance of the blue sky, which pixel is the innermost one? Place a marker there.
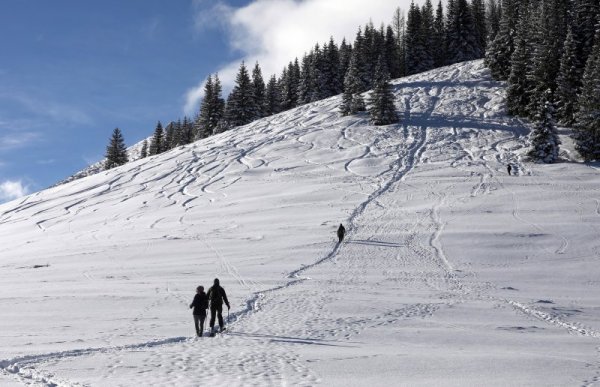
(74, 70)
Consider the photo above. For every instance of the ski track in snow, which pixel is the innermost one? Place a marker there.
(301, 309)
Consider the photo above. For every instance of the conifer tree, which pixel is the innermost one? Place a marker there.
(519, 85)
(258, 84)
(587, 125)
(211, 109)
(493, 13)
(568, 81)
(360, 51)
(178, 135)
(157, 143)
(415, 50)
(187, 131)
(399, 27)
(352, 100)
(345, 53)
(585, 25)
(169, 131)
(545, 60)
(116, 151)
(439, 33)
(307, 80)
(479, 24)
(144, 151)
(272, 97)
(427, 32)
(544, 137)
(382, 110)
(499, 51)
(331, 69)
(289, 85)
(241, 103)
(460, 33)
(391, 48)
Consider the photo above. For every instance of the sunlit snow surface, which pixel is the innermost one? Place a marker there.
(453, 273)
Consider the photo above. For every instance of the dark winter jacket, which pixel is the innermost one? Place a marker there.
(341, 232)
(200, 303)
(216, 295)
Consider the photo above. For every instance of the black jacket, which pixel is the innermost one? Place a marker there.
(200, 303)
(216, 295)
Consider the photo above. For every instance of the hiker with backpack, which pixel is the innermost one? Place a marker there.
(200, 304)
(216, 294)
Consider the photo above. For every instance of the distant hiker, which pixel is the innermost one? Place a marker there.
(509, 168)
(341, 232)
(216, 295)
(200, 304)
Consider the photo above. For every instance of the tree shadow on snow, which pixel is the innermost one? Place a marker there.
(459, 121)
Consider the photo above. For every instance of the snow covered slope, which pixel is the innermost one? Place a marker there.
(453, 273)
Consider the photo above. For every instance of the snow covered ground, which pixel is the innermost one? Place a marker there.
(453, 273)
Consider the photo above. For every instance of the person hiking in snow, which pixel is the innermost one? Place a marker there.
(216, 294)
(341, 232)
(509, 168)
(200, 304)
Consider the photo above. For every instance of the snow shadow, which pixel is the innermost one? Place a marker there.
(458, 121)
(290, 340)
(376, 243)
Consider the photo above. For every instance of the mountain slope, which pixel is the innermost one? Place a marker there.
(453, 273)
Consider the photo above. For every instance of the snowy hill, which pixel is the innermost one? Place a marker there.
(452, 273)
(133, 153)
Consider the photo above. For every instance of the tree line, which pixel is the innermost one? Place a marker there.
(548, 51)
(424, 39)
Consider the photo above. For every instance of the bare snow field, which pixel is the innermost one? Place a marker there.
(452, 273)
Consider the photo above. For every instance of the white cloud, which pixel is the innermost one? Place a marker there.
(274, 32)
(10, 190)
(17, 139)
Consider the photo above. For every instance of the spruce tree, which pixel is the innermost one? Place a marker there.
(439, 40)
(241, 104)
(169, 134)
(157, 143)
(568, 81)
(493, 13)
(415, 50)
(345, 53)
(585, 25)
(479, 24)
(144, 151)
(393, 57)
(460, 34)
(258, 84)
(519, 85)
(187, 131)
(545, 60)
(587, 119)
(178, 135)
(331, 69)
(427, 32)
(202, 127)
(544, 137)
(116, 151)
(272, 97)
(399, 27)
(382, 110)
(289, 85)
(499, 50)
(352, 100)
